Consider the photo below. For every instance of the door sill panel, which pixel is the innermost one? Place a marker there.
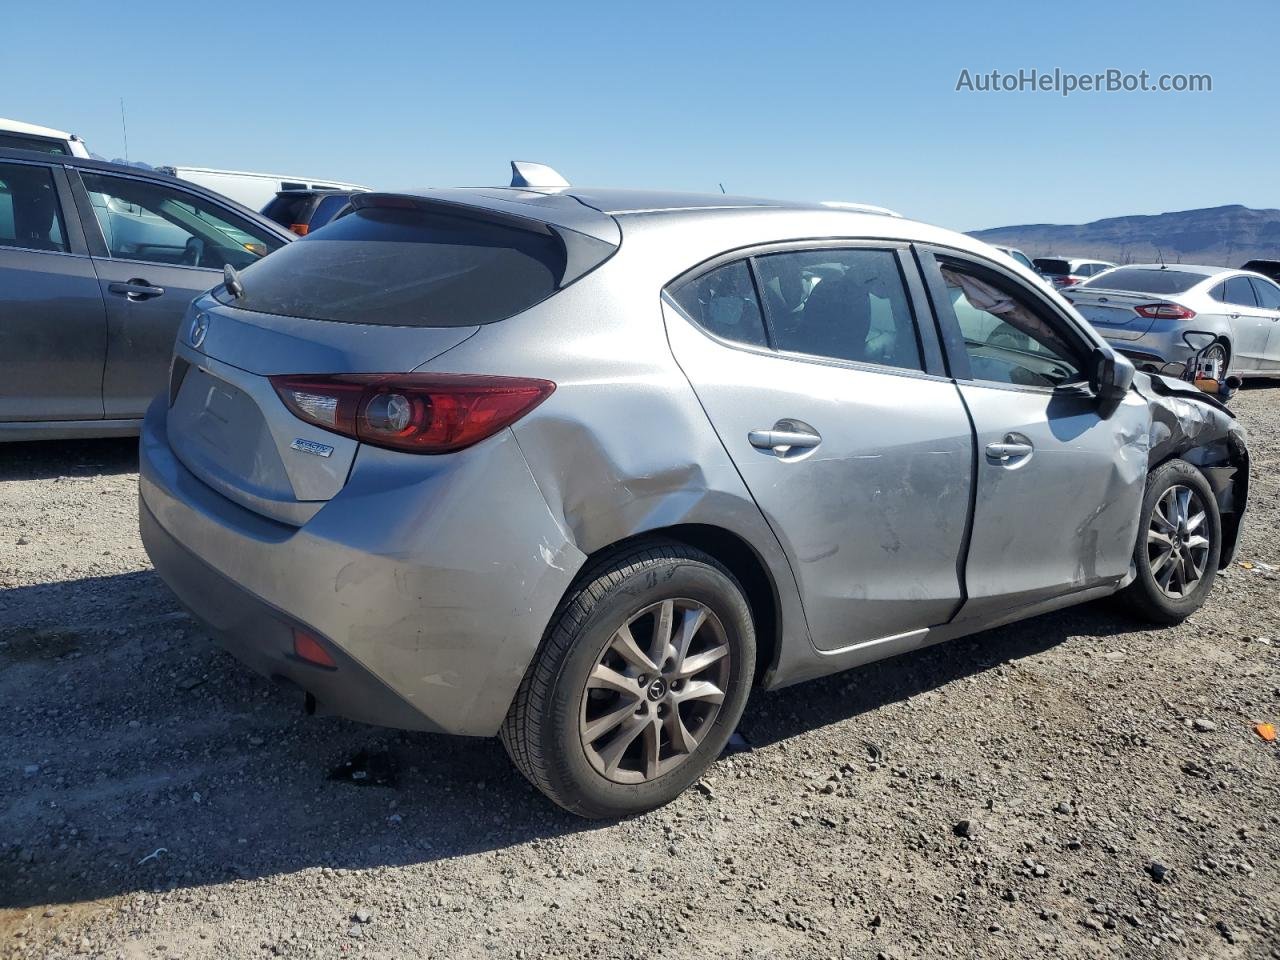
(67, 429)
(815, 663)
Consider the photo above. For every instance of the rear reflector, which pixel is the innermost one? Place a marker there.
(1164, 311)
(417, 413)
(308, 648)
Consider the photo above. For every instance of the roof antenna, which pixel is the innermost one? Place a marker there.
(1160, 254)
(722, 188)
(124, 128)
(527, 174)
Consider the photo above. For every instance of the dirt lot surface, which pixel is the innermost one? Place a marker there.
(1072, 786)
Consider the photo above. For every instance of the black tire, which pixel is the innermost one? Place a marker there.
(545, 727)
(1145, 597)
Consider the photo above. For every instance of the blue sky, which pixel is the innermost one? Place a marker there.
(813, 100)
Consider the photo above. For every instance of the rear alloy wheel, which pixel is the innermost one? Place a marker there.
(1176, 557)
(640, 680)
(655, 692)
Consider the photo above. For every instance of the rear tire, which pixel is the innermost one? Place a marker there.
(641, 678)
(1222, 349)
(1179, 544)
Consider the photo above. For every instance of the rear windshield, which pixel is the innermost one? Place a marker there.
(1049, 265)
(413, 267)
(1145, 280)
(288, 210)
(328, 208)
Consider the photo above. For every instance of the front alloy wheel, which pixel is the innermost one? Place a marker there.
(1177, 547)
(1179, 542)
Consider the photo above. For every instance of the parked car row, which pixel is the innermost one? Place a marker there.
(1162, 315)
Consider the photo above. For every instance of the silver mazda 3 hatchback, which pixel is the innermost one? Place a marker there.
(582, 468)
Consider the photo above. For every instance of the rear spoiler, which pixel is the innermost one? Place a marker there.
(588, 236)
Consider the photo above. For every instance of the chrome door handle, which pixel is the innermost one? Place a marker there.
(782, 440)
(1008, 451)
(136, 290)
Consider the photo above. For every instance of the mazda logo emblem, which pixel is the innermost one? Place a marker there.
(199, 329)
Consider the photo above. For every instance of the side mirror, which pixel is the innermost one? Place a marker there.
(1110, 380)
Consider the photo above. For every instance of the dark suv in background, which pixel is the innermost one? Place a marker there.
(302, 211)
(98, 262)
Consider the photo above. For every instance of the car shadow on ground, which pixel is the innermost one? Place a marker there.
(46, 459)
(142, 757)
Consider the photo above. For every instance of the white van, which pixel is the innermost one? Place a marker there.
(254, 190)
(16, 135)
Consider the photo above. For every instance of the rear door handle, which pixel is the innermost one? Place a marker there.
(1009, 451)
(136, 290)
(781, 441)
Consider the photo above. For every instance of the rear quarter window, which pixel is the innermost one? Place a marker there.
(416, 267)
(1050, 265)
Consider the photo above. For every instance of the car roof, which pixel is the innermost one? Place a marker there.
(17, 126)
(711, 222)
(624, 202)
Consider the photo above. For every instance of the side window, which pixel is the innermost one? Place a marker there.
(843, 304)
(162, 224)
(30, 215)
(1268, 293)
(1219, 292)
(1239, 292)
(18, 141)
(1022, 259)
(723, 302)
(1007, 338)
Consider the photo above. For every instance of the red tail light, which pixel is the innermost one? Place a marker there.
(416, 412)
(1164, 311)
(300, 228)
(1066, 281)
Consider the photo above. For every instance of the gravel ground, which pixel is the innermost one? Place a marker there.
(1070, 786)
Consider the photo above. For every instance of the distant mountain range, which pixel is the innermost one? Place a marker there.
(1226, 236)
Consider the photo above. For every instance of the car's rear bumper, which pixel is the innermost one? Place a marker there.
(1163, 343)
(431, 584)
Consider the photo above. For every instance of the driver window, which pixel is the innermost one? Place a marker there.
(1006, 338)
(160, 224)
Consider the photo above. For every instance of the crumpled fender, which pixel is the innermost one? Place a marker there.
(1188, 423)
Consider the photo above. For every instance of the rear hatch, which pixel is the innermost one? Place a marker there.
(383, 290)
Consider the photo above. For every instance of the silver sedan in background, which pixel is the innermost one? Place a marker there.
(1157, 314)
(582, 468)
